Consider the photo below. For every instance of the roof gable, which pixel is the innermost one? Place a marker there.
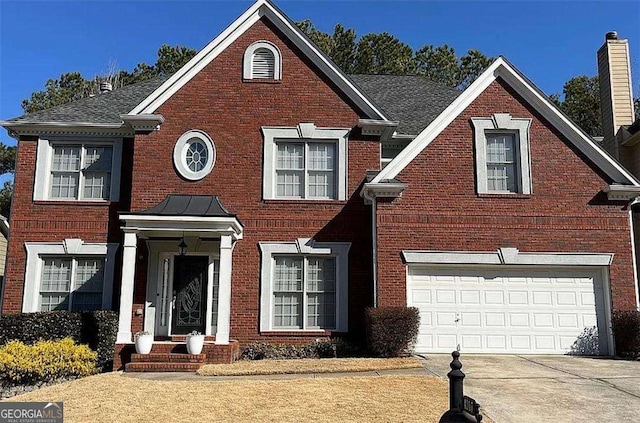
(260, 9)
(532, 95)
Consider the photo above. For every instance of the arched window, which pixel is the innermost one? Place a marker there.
(262, 60)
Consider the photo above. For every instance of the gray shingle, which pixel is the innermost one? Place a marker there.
(414, 101)
(102, 108)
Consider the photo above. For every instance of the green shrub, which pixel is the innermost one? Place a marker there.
(97, 329)
(626, 333)
(45, 361)
(317, 349)
(391, 331)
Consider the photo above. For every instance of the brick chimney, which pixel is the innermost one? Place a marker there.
(616, 97)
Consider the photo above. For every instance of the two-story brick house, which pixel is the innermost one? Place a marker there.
(261, 194)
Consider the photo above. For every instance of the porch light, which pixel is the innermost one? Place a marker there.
(182, 247)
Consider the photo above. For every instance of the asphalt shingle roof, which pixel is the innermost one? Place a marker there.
(412, 100)
(101, 108)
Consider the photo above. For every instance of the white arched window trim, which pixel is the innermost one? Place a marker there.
(247, 69)
(180, 154)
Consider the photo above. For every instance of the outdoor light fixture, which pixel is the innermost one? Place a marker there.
(182, 247)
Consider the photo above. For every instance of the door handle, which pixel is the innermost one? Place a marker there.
(457, 318)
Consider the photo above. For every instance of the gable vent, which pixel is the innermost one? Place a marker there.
(263, 64)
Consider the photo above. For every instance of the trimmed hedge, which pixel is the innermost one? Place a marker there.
(391, 331)
(626, 333)
(317, 349)
(45, 361)
(97, 329)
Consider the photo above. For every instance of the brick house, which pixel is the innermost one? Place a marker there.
(260, 194)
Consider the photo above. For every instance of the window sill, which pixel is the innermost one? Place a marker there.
(505, 195)
(262, 81)
(296, 201)
(297, 333)
(73, 202)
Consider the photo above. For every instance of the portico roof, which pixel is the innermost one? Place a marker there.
(198, 215)
(189, 205)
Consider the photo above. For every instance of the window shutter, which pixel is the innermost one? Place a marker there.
(263, 64)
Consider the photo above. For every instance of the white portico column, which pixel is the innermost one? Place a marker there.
(224, 290)
(126, 289)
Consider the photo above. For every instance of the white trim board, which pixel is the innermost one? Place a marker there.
(507, 256)
(261, 8)
(503, 69)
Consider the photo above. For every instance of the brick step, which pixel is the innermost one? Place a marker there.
(162, 367)
(183, 338)
(168, 358)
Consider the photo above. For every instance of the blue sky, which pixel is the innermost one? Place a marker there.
(549, 41)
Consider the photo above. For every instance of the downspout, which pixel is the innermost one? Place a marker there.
(374, 240)
(633, 249)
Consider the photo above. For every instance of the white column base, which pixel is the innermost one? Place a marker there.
(222, 339)
(124, 338)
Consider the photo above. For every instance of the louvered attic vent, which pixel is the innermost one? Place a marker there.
(263, 64)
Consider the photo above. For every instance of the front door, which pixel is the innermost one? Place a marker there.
(189, 294)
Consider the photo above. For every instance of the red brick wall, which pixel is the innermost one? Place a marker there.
(440, 209)
(49, 221)
(232, 112)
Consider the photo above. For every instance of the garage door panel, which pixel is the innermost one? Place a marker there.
(544, 311)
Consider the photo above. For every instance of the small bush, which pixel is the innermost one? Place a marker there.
(626, 332)
(317, 349)
(391, 331)
(45, 361)
(97, 329)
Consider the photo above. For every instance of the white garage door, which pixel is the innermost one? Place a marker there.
(498, 310)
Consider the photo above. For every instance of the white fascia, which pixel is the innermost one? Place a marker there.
(506, 256)
(261, 8)
(143, 123)
(621, 192)
(177, 224)
(500, 68)
(16, 129)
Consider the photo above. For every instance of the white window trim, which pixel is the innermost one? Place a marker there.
(304, 247)
(44, 156)
(180, 151)
(496, 123)
(303, 132)
(247, 66)
(67, 248)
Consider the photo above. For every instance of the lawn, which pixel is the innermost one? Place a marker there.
(306, 366)
(113, 397)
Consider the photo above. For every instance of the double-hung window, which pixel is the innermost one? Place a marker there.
(71, 283)
(304, 293)
(502, 162)
(305, 163)
(81, 171)
(304, 286)
(502, 154)
(305, 170)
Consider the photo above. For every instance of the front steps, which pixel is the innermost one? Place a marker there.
(165, 362)
(171, 356)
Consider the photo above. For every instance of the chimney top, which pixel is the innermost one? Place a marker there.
(611, 35)
(105, 87)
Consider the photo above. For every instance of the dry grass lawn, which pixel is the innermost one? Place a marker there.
(113, 397)
(306, 366)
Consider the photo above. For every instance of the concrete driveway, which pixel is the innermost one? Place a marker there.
(514, 388)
